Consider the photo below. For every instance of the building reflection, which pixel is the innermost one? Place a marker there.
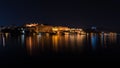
(29, 44)
(68, 42)
(66, 38)
(22, 39)
(44, 42)
(94, 40)
(108, 39)
(80, 39)
(80, 42)
(72, 42)
(102, 41)
(57, 42)
(64, 43)
(55, 39)
(113, 37)
(3, 39)
(37, 43)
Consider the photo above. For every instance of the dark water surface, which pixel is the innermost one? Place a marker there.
(46, 48)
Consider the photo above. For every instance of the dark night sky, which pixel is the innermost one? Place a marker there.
(72, 13)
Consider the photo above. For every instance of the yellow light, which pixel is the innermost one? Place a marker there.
(55, 29)
(81, 29)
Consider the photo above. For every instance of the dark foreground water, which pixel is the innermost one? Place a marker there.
(30, 49)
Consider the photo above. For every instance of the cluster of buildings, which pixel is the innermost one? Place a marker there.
(41, 28)
(35, 28)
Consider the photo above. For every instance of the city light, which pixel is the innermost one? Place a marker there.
(31, 25)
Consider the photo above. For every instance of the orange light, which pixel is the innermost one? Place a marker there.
(31, 25)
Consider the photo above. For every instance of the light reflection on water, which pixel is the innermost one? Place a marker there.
(22, 39)
(94, 38)
(3, 38)
(62, 43)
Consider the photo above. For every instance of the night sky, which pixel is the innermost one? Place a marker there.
(86, 13)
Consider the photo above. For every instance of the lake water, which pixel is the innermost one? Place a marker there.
(46, 48)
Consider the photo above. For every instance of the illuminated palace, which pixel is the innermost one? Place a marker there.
(41, 28)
